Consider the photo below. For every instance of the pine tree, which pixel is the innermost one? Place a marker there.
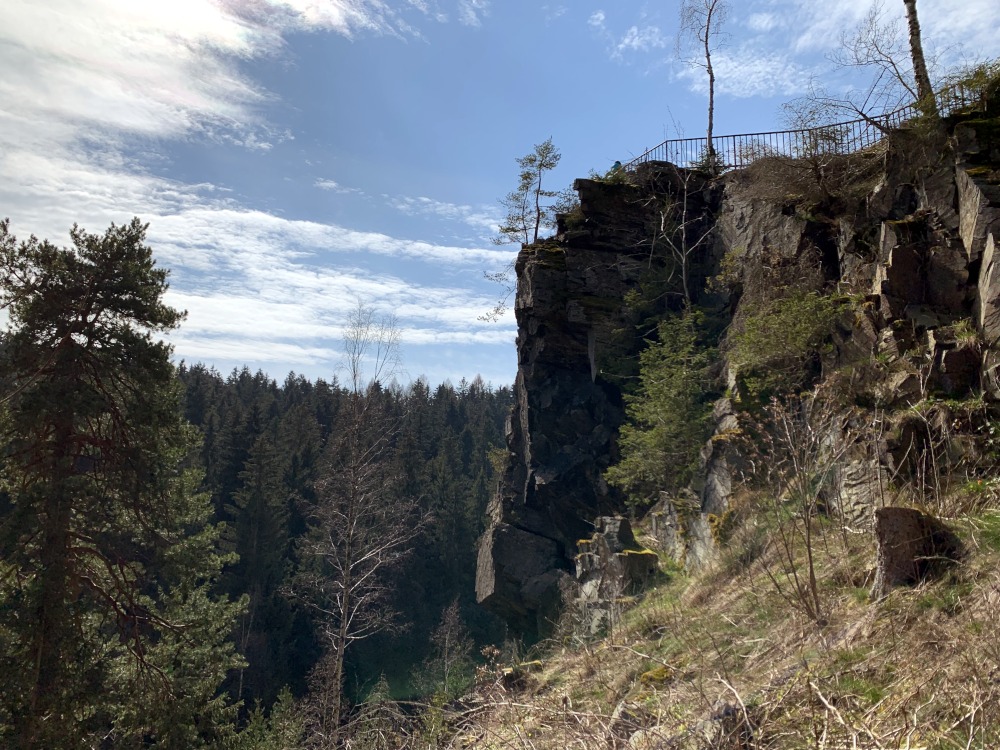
(107, 624)
(670, 416)
(259, 534)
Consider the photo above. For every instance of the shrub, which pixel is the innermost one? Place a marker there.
(775, 344)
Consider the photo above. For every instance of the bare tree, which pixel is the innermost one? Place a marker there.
(793, 455)
(449, 669)
(898, 71)
(360, 529)
(701, 27)
(682, 230)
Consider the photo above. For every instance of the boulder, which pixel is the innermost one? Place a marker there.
(728, 728)
(610, 565)
(978, 211)
(519, 573)
(912, 546)
(627, 718)
(858, 486)
(987, 307)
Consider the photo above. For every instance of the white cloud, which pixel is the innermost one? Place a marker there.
(762, 22)
(553, 12)
(597, 19)
(93, 90)
(481, 218)
(749, 71)
(472, 12)
(640, 40)
(334, 186)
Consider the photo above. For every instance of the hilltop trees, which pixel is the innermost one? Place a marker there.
(528, 211)
(108, 627)
(531, 208)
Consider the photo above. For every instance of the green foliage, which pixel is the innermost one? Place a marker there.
(449, 670)
(111, 627)
(282, 728)
(529, 208)
(709, 161)
(616, 175)
(776, 342)
(982, 79)
(730, 270)
(670, 416)
(380, 723)
(989, 530)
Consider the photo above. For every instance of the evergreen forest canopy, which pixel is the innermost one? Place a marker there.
(172, 542)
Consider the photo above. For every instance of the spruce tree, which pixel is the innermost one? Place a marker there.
(108, 627)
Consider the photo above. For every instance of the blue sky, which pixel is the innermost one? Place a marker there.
(295, 156)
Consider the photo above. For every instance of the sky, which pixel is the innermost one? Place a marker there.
(295, 158)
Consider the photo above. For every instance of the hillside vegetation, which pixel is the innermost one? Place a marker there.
(731, 657)
(815, 365)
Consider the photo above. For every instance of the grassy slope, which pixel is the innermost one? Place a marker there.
(920, 669)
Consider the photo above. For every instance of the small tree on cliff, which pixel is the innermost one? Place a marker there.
(531, 208)
(528, 207)
(670, 415)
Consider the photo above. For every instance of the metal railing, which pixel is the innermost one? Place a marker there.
(737, 151)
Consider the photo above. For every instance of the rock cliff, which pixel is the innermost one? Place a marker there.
(906, 234)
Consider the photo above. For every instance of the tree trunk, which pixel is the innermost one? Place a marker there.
(925, 93)
(52, 615)
(538, 204)
(710, 145)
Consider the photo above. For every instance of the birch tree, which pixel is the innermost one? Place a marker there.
(700, 33)
(925, 92)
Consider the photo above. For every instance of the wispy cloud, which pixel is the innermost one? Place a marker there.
(636, 40)
(481, 218)
(83, 113)
(762, 22)
(640, 40)
(334, 186)
(552, 12)
(472, 12)
(749, 71)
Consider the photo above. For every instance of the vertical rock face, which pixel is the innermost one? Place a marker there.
(561, 434)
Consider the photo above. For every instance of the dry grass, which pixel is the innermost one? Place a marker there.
(723, 661)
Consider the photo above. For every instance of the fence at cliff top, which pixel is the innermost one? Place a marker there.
(737, 151)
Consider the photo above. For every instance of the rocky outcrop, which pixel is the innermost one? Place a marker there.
(609, 566)
(568, 403)
(911, 250)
